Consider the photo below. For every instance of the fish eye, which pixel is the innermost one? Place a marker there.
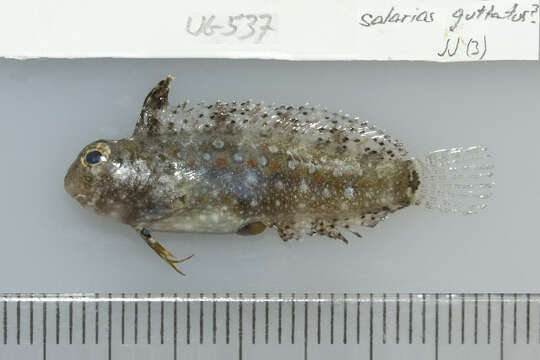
(96, 155)
(93, 157)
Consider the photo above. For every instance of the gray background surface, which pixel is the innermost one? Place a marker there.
(52, 108)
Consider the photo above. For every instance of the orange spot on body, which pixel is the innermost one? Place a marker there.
(274, 166)
(252, 163)
(221, 162)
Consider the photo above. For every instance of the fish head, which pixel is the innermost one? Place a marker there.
(99, 178)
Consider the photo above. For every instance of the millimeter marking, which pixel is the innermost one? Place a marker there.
(439, 321)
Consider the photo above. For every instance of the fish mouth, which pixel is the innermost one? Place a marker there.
(80, 197)
(72, 187)
(68, 184)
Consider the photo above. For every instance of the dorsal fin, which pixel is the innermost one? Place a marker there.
(314, 127)
(335, 133)
(156, 101)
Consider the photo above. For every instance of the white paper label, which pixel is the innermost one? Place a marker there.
(436, 30)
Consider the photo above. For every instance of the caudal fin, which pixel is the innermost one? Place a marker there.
(455, 180)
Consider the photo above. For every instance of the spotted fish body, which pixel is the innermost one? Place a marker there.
(244, 166)
(299, 169)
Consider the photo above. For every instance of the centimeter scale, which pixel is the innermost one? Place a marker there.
(270, 326)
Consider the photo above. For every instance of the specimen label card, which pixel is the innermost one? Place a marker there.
(436, 30)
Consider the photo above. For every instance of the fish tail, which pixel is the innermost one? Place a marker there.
(454, 180)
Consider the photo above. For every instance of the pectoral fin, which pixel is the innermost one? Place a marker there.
(252, 229)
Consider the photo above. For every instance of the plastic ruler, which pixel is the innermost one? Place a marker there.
(270, 326)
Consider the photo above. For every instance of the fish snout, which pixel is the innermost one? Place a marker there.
(73, 185)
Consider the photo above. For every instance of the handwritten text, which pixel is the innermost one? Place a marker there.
(240, 26)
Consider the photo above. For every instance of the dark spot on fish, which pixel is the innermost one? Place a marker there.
(414, 182)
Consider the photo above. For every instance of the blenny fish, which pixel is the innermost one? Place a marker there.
(242, 167)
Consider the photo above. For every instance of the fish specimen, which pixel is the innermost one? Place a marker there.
(242, 167)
